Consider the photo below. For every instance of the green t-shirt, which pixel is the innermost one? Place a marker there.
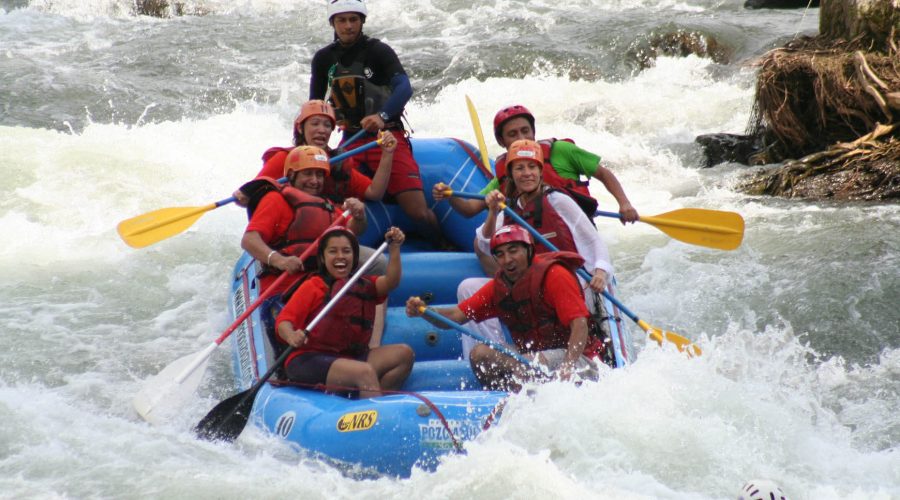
(569, 161)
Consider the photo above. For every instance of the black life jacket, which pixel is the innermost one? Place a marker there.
(353, 95)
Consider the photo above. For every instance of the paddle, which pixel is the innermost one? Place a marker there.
(352, 138)
(431, 313)
(476, 126)
(151, 227)
(180, 379)
(656, 334)
(228, 418)
(697, 226)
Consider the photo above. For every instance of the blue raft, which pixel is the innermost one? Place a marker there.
(442, 404)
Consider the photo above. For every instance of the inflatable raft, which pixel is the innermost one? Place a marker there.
(441, 405)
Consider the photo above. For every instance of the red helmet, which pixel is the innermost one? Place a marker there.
(512, 233)
(508, 113)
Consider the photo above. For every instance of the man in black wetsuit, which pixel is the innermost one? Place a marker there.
(368, 87)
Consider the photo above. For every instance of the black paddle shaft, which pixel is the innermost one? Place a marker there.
(227, 420)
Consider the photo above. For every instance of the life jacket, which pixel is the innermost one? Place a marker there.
(353, 95)
(532, 324)
(576, 189)
(540, 214)
(347, 328)
(312, 215)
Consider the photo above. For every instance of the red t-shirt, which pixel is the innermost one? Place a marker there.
(271, 220)
(356, 185)
(272, 217)
(562, 293)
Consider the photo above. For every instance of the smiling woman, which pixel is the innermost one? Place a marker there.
(336, 353)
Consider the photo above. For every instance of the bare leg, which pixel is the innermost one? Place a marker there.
(352, 373)
(392, 364)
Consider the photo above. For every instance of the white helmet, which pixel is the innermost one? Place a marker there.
(761, 489)
(341, 6)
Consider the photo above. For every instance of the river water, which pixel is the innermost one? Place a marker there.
(105, 115)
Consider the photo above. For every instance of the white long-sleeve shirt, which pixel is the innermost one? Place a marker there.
(587, 240)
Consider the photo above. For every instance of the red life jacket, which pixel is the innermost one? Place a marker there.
(347, 328)
(532, 324)
(312, 215)
(576, 189)
(541, 215)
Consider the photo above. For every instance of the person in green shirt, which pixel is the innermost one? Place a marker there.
(569, 162)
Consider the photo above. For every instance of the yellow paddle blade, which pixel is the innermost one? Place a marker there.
(158, 225)
(698, 226)
(659, 335)
(476, 126)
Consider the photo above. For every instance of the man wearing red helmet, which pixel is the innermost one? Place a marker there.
(365, 81)
(539, 299)
(568, 164)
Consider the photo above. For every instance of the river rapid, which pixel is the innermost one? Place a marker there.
(105, 115)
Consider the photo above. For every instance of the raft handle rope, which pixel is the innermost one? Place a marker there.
(475, 159)
(494, 415)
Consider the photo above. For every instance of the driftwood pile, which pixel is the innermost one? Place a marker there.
(836, 104)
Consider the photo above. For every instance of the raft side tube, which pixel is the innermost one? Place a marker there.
(427, 341)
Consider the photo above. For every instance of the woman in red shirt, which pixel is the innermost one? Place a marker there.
(337, 352)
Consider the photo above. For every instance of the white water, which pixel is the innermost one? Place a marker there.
(800, 326)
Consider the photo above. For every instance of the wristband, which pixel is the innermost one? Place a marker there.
(269, 257)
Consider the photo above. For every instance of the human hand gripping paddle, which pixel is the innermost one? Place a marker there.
(144, 230)
(178, 381)
(227, 419)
